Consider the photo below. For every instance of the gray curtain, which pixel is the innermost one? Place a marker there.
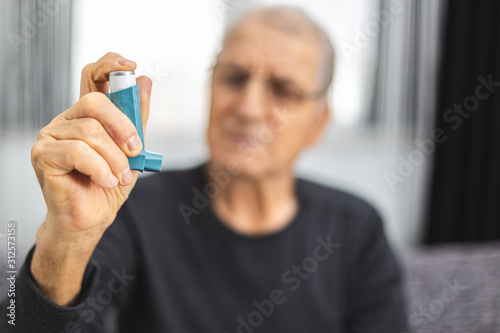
(35, 60)
(405, 95)
(407, 68)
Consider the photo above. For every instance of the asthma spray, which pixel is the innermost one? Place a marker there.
(124, 93)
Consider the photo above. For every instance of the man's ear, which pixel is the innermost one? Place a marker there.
(319, 125)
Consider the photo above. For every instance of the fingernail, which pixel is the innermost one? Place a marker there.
(133, 143)
(127, 177)
(113, 181)
(124, 61)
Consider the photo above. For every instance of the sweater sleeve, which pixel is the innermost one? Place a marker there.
(376, 302)
(108, 281)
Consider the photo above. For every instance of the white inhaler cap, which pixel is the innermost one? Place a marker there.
(121, 80)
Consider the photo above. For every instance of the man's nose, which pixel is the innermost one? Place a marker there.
(253, 101)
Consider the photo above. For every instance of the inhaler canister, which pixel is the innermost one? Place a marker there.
(121, 80)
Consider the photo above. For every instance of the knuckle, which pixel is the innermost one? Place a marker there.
(117, 163)
(86, 100)
(123, 129)
(76, 151)
(127, 128)
(115, 157)
(121, 162)
(36, 153)
(41, 133)
(82, 148)
(93, 100)
(111, 55)
(95, 97)
(91, 128)
(86, 69)
(54, 124)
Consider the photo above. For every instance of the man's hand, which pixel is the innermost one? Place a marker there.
(80, 160)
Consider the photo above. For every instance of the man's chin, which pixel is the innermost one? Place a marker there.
(237, 166)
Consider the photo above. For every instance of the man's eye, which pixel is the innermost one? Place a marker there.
(235, 81)
(283, 91)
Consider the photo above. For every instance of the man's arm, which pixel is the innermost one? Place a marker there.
(109, 278)
(80, 160)
(376, 302)
(81, 163)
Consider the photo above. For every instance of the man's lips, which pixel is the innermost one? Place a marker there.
(242, 139)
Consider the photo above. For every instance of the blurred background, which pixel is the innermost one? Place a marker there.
(415, 126)
(374, 122)
(48, 44)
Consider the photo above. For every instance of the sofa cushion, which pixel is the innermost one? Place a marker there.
(453, 288)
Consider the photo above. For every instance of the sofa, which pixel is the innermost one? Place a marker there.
(453, 288)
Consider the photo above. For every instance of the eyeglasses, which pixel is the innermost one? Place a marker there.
(281, 92)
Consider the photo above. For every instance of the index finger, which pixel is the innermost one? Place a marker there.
(116, 123)
(95, 76)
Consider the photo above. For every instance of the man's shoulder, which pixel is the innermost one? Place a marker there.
(331, 199)
(330, 194)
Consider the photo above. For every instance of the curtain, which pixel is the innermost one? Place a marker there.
(404, 100)
(464, 202)
(34, 62)
(408, 56)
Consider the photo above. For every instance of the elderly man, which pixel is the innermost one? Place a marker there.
(235, 245)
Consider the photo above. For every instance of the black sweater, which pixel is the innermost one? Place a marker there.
(168, 264)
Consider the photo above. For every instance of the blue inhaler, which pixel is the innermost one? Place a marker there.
(124, 93)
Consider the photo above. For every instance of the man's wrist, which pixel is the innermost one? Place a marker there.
(59, 261)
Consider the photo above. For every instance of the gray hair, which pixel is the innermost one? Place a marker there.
(295, 21)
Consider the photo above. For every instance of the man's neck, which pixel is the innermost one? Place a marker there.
(257, 206)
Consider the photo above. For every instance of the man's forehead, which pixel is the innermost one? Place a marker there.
(256, 45)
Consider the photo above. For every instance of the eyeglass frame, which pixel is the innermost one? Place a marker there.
(303, 95)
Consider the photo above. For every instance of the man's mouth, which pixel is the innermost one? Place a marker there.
(242, 139)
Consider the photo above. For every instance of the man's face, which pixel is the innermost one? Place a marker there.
(259, 118)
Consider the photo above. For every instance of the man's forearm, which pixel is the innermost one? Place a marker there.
(59, 262)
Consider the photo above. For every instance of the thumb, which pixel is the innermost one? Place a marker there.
(145, 85)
